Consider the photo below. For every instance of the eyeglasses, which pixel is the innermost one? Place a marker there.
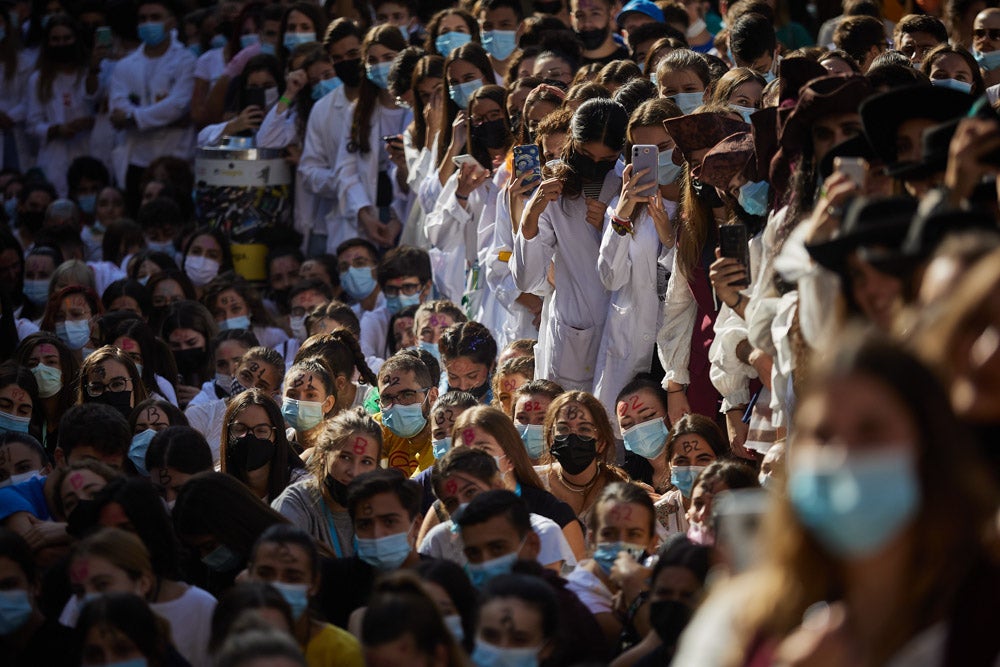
(95, 389)
(409, 289)
(405, 397)
(262, 431)
(992, 33)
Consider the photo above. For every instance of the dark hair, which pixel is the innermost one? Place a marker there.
(282, 251)
(227, 257)
(452, 578)
(191, 315)
(95, 425)
(13, 547)
(543, 387)
(644, 381)
(341, 354)
(434, 25)
(475, 55)
(315, 14)
(405, 363)
(230, 280)
(129, 614)
(48, 319)
(13, 374)
(733, 474)
(48, 67)
(309, 285)
(597, 120)
(358, 141)
(651, 31)
(156, 356)
(858, 34)
(679, 551)
(493, 503)
(471, 340)
(702, 426)
(68, 364)
(470, 460)
(752, 35)
(618, 72)
(339, 29)
(217, 504)
(622, 492)
(498, 95)
(339, 312)
(119, 236)
(530, 589)
(941, 50)
(159, 212)
(179, 447)
(240, 600)
(370, 484)
(284, 534)
(635, 93)
(161, 259)
(402, 69)
(358, 242)
(432, 364)
(403, 261)
(262, 62)
(283, 459)
(174, 415)
(88, 167)
(911, 23)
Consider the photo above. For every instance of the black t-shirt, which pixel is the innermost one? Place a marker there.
(346, 585)
(543, 503)
(638, 468)
(49, 645)
(621, 53)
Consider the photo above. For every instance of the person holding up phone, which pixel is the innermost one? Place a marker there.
(563, 221)
(258, 92)
(637, 251)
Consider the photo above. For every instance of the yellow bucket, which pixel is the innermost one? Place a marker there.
(249, 260)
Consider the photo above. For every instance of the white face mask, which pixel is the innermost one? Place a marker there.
(201, 269)
(14, 480)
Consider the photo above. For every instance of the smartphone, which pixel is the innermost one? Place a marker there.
(737, 515)
(392, 138)
(255, 97)
(459, 160)
(734, 242)
(102, 36)
(645, 156)
(526, 161)
(855, 168)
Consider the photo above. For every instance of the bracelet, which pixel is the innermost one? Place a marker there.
(284, 99)
(677, 391)
(739, 300)
(461, 197)
(620, 226)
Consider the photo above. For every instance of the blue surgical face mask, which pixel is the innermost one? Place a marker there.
(152, 33)
(642, 68)
(218, 41)
(222, 559)
(449, 41)
(160, 246)
(296, 595)
(384, 553)
(480, 574)
(15, 610)
(358, 281)
(652, 78)
(431, 348)
(531, 436)
(293, 39)
(988, 61)
(683, 478)
(606, 553)
(394, 304)
(249, 40)
(666, 171)
(745, 112)
(268, 49)
(240, 322)
(87, 203)
(379, 74)
(454, 624)
(325, 86)
(137, 452)
(490, 655)
(461, 92)
(3, 34)
(855, 501)
(647, 439)
(499, 43)
(49, 380)
(301, 415)
(954, 84)
(75, 333)
(769, 76)
(404, 420)
(13, 423)
(196, 49)
(37, 291)
(441, 447)
(753, 197)
(688, 102)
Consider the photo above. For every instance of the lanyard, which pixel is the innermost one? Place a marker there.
(334, 537)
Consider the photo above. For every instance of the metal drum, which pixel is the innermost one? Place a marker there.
(243, 191)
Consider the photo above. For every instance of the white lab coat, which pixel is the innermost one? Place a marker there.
(317, 209)
(568, 344)
(628, 269)
(356, 174)
(157, 91)
(517, 321)
(419, 164)
(278, 129)
(69, 101)
(14, 103)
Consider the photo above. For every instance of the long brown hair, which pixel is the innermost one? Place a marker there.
(597, 413)
(280, 473)
(475, 55)
(390, 37)
(428, 67)
(49, 68)
(112, 353)
(600, 120)
(499, 425)
(797, 571)
(499, 95)
(9, 48)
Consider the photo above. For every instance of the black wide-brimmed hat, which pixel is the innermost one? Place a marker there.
(869, 221)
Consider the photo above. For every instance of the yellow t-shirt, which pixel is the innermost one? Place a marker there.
(333, 646)
(407, 454)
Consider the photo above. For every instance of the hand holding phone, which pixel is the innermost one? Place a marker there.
(527, 163)
(645, 157)
(734, 242)
(855, 168)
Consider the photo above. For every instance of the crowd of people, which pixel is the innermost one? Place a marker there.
(598, 334)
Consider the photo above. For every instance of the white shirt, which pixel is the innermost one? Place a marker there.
(442, 542)
(190, 618)
(157, 92)
(14, 103)
(210, 65)
(207, 418)
(374, 329)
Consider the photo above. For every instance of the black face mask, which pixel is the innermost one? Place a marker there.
(706, 194)
(190, 361)
(31, 220)
(548, 6)
(588, 169)
(592, 39)
(249, 452)
(480, 391)
(669, 618)
(63, 54)
(349, 71)
(338, 490)
(574, 453)
(491, 134)
(119, 400)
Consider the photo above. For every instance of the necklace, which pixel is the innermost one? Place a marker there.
(576, 488)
